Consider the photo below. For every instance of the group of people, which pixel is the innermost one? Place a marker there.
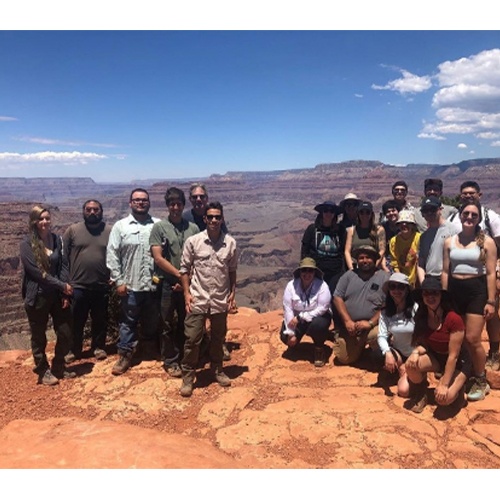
(415, 289)
(175, 278)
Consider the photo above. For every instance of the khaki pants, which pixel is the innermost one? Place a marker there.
(348, 349)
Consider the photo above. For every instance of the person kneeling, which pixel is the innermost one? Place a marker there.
(306, 309)
(438, 340)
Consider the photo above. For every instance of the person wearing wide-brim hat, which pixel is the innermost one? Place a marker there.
(306, 309)
(349, 208)
(438, 342)
(395, 328)
(324, 241)
(403, 247)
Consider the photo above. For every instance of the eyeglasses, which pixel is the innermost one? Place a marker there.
(198, 196)
(472, 215)
(430, 292)
(139, 200)
(212, 217)
(307, 270)
(397, 286)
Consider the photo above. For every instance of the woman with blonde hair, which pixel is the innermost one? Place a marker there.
(469, 274)
(46, 292)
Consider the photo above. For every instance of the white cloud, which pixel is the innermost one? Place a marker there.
(468, 100)
(8, 119)
(496, 144)
(431, 135)
(408, 84)
(359, 96)
(68, 158)
(462, 146)
(51, 142)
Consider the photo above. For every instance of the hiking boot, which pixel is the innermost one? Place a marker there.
(222, 379)
(418, 403)
(319, 357)
(493, 361)
(226, 355)
(122, 365)
(174, 370)
(65, 374)
(100, 354)
(186, 388)
(71, 357)
(47, 378)
(480, 388)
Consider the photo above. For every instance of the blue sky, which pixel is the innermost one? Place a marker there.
(123, 105)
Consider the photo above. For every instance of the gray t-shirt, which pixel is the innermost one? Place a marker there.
(362, 298)
(430, 257)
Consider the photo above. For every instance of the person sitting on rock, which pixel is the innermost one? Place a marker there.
(438, 342)
(306, 309)
(358, 298)
(395, 328)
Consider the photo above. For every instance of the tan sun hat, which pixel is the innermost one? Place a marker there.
(349, 197)
(406, 216)
(308, 263)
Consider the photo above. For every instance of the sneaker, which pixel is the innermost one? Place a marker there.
(226, 355)
(418, 403)
(493, 361)
(122, 365)
(47, 378)
(186, 388)
(480, 388)
(319, 357)
(174, 370)
(222, 379)
(100, 354)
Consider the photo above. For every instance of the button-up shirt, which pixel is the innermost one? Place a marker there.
(128, 256)
(209, 265)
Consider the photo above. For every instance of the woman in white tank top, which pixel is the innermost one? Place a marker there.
(469, 263)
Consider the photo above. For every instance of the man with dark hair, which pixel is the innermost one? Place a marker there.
(129, 260)
(167, 240)
(208, 277)
(490, 224)
(400, 192)
(85, 243)
(358, 299)
(433, 187)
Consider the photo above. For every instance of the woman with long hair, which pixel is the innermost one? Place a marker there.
(469, 274)
(438, 347)
(365, 232)
(46, 292)
(395, 328)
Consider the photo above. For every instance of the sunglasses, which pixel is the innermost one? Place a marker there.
(139, 200)
(350, 204)
(328, 211)
(307, 270)
(212, 217)
(198, 196)
(428, 211)
(399, 190)
(364, 212)
(430, 292)
(397, 286)
(472, 215)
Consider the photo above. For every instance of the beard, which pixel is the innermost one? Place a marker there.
(93, 218)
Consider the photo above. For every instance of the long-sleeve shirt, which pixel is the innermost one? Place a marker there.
(307, 304)
(128, 255)
(209, 265)
(398, 329)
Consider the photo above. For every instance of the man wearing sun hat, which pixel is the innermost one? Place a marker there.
(306, 309)
(358, 298)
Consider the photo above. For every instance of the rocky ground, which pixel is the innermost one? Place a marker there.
(280, 413)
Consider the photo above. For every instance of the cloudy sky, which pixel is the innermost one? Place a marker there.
(122, 105)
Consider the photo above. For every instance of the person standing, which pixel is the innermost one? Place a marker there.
(85, 244)
(490, 224)
(129, 260)
(167, 240)
(46, 292)
(208, 276)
